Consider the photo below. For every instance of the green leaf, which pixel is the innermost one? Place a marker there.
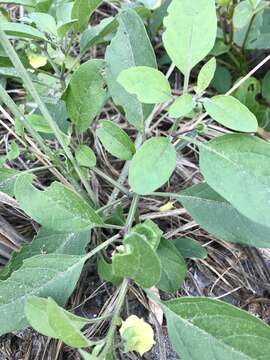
(222, 80)
(203, 329)
(44, 22)
(7, 180)
(85, 156)
(14, 151)
(57, 207)
(130, 47)
(242, 14)
(64, 20)
(22, 31)
(231, 113)
(30, 3)
(183, 105)
(85, 95)
(96, 34)
(49, 319)
(115, 140)
(173, 267)
(136, 259)
(82, 10)
(206, 75)
(190, 33)
(150, 231)
(148, 84)
(220, 218)
(152, 165)
(106, 272)
(47, 242)
(190, 248)
(43, 275)
(236, 167)
(266, 87)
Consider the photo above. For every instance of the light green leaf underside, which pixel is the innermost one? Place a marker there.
(236, 167)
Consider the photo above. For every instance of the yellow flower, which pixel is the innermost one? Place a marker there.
(138, 335)
(37, 61)
(167, 207)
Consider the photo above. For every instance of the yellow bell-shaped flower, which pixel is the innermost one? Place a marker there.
(138, 335)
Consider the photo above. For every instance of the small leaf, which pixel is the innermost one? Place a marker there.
(44, 22)
(231, 113)
(106, 272)
(14, 151)
(242, 14)
(136, 259)
(115, 140)
(183, 105)
(190, 248)
(173, 267)
(43, 275)
(152, 165)
(49, 319)
(148, 84)
(82, 10)
(22, 31)
(222, 80)
(85, 95)
(216, 328)
(57, 207)
(150, 231)
(206, 75)
(85, 156)
(130, 47)
(190, 33)
(236, 167)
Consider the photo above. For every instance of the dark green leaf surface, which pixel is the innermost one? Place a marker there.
(190, 248)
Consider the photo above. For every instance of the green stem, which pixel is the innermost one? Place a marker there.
(132, 212)
(101, 247)
(111, 181)
(43, 109)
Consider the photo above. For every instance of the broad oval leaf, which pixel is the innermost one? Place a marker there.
(236, 167)
(190, 33)
(85, 95)
(152, 165)
(82, 10)
(130, 47)
(204, 329)
(220, 218)
(42, 275)
(115, 140)
(242, 14)
(183, 105)
(173, 267)
(22, 31)
(57, 207)
(190, 248)
(206, 75)
(148, 84)
(230, 112)
(136, 259)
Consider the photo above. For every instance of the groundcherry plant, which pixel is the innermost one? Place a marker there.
(64, 99)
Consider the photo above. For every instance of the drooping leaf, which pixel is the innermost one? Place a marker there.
(183, 105)
(231, 113)
(136, 259)
(42, 275)
(85, 156)
(203, 329)
(47, 242)
(186, 22)
(49, 319)
(148, 84)
(115, 140)
(85, 95)
(173, 267)
(152, 165)
(82, 10)
(220, 218)
(57, 207)
(190, 248)
(206, 75)
(7, 180)
(236, 167)
(21, 31)
(130, 47)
